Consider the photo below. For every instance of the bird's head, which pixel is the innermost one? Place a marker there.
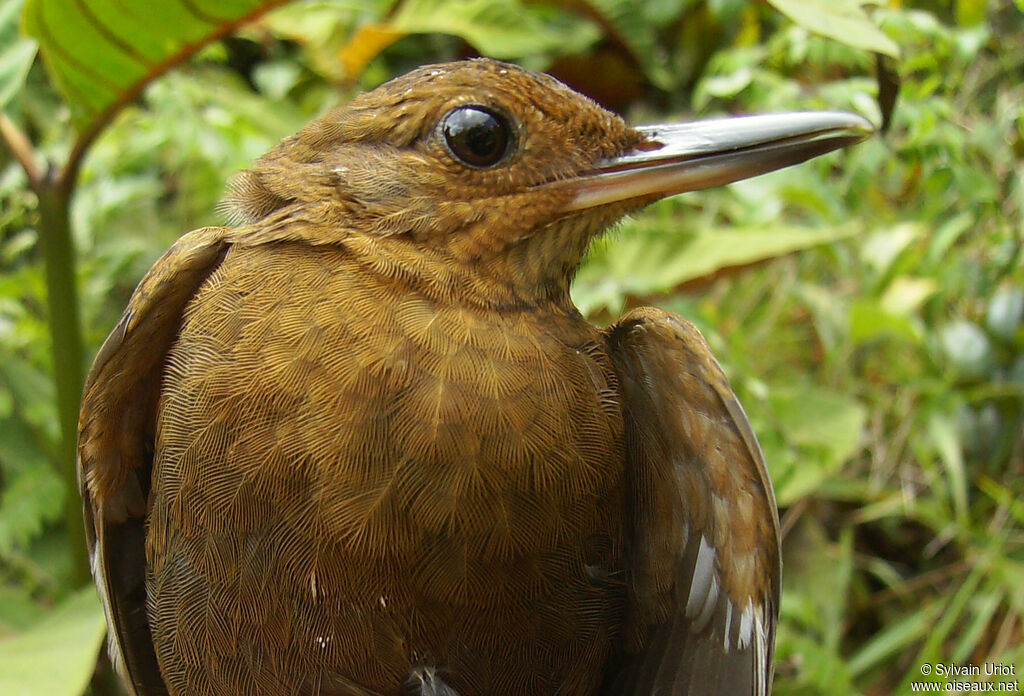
(505, 173)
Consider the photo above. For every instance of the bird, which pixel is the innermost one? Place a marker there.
(360, 442)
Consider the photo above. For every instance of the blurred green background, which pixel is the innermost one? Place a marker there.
(868, 306)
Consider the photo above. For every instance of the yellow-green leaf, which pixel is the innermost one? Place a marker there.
(842, 20)
(56, 656)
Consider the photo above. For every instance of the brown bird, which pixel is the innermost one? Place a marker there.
(364, 443)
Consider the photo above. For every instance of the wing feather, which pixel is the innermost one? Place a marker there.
(704, 548)
(115, 446)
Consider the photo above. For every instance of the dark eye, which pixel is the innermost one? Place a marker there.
(476, 137)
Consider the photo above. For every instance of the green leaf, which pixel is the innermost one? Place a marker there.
(883, 248)
(101, 53)
(870, 320)
(906, 294)
(16, 52)
(970, 12)
(825, 426)
(18, 610)
(983, 607)
(945, 438)
(498, 28)
(816, 589)
(822, 671)
(29, 500)
(947, 234)
(33, 391)
(650, 257)
(20, 448)
(331, 33)
(953, 613)
(56, 656)
(275, 79)
(842, 20)
(1004, 495)
(893, 639)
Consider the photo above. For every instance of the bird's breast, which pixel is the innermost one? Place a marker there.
(307, 394)
(356, 479)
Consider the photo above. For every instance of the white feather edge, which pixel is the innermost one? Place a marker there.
(753, 619)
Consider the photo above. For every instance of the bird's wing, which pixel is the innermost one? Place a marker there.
(115, 446)
(704, 561)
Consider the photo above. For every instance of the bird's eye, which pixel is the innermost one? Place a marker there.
(476, 136)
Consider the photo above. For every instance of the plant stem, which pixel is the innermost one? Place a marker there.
(66, 336)
(58, 252)
(22, 149)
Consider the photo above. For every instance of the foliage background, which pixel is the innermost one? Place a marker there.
(882, 365)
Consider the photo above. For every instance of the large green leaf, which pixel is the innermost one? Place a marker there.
(842, 20)
(56, 656)
(102, 53)
(16, 52)
(649, 258)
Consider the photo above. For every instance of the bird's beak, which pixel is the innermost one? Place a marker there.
(691, 156)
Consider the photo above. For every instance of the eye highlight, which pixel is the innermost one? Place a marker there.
(477, 137)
